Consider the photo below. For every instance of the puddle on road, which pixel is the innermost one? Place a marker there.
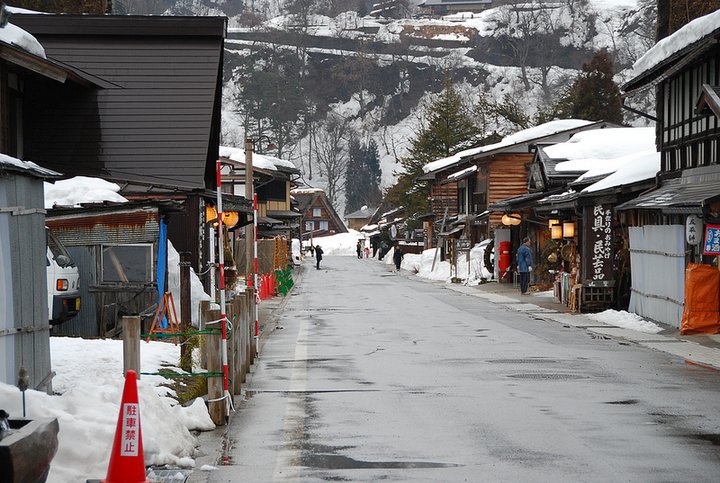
(623, 401)
(547, 376)
(340, 462)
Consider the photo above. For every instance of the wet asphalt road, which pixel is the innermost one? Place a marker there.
(375, 376)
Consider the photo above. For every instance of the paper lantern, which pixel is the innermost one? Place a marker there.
(511, 220)
(210, 213)
(552, 223)
(556, 232)
(568, 230)
(230, 218)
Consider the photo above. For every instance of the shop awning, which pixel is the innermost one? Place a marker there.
(460, 175)
(283, 214)
(455, 230)
(527, 200)
(687, 194)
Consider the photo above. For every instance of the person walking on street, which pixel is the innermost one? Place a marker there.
(397, 257)
(367, 252)
(318, 255)
(359, 249)
(525, 264)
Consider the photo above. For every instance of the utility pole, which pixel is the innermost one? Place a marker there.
(249, 228)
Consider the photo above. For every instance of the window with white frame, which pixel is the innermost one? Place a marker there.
(324, 225)
(317, 212)
(309, 225)
(127, 263)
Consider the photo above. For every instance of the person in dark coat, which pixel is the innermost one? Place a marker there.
(318, 255)
(525, 264)
(359, 249)
(397, 257)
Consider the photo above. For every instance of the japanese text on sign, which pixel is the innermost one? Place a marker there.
(598, 244)
(712, 240)
(130, 438)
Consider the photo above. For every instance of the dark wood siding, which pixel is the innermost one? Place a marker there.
(160, 122)
(507, 177)
(689, 139)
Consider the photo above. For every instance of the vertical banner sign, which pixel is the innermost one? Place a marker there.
(693, 225)
(598, 246)
(711, 246)
(130, 430)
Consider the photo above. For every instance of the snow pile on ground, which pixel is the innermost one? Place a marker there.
(342, 244)
(90, 382)
(626, 320)
(422, 265)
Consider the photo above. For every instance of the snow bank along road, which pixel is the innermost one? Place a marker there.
(372, 376)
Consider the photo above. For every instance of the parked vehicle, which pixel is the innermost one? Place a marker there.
(63, 282)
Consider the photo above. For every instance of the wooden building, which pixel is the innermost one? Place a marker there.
(465, 184)
(145, 112)
(686, 82)
(319, 218)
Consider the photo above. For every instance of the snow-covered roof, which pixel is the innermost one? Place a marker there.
(306, 191)
(81, 189)
(262, 161)
(596, 149)
(13, 164)
(630, 169)
(543, 130)
(462, 173)
(686, 36)
(14, 35)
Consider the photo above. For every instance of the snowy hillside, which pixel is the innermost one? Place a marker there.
(296, 77)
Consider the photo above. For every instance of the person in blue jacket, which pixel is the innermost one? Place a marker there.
(525, 264)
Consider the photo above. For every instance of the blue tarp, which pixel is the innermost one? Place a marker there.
(161, 266)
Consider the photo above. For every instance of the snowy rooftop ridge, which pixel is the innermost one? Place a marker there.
(14, 35)
(546, 129)
(262, 161)
(687, 35)
(592, 150)
(14, 164)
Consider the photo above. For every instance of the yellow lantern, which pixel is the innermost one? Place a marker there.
(552, 223)
(568, 229)
(230, 218)
(511, 220)
(556, 232)
(210, 213)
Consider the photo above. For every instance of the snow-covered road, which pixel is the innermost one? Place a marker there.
(373, 375)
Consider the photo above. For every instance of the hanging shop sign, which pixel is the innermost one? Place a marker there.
(711, 245)
(693, 225)
(597, 254)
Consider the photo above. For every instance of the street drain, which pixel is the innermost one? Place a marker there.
(531, 360)
(548, 376)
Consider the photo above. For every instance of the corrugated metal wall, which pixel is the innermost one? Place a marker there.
(84, 234)
(23, 282)
(657, 263)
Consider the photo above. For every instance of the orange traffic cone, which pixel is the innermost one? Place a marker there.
(127, 463)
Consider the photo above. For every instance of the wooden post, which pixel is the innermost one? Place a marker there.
(185, 312)
(204, 317)
(131, 344)
(250, 327)
(238, 363)
(216, 409)
(231, 345)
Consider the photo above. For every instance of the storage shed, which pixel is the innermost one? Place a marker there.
(24, 326)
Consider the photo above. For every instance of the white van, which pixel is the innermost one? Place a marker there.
(63, 282)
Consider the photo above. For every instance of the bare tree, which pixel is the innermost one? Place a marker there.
(331, 153)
